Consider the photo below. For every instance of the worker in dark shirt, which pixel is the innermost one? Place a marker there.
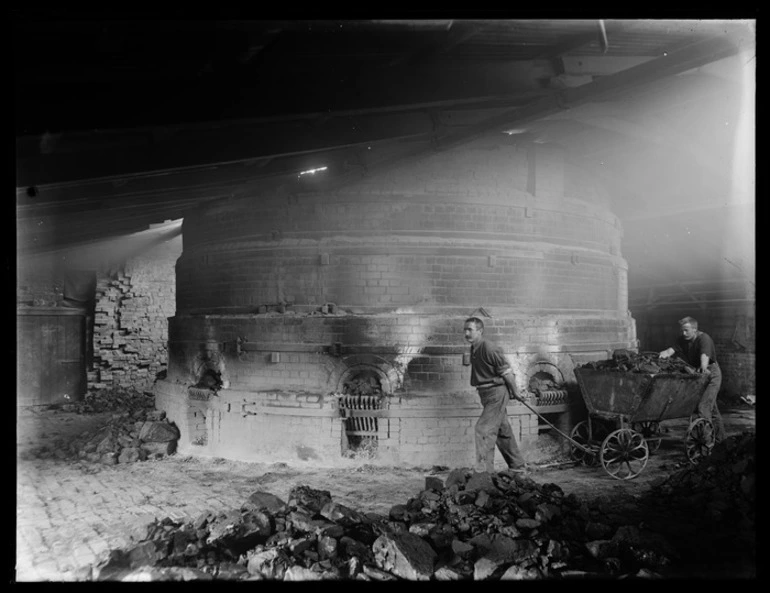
(696, 348)
(492, 376)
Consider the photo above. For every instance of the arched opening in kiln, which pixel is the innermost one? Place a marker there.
(545, 383)
(210, 379)
(361, 396)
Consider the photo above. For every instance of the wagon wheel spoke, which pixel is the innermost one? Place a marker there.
(580, 434)
(651, 432)
(621, 470)
(624, 454)
(699, 440)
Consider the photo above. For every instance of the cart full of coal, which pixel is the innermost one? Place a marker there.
(627, 397)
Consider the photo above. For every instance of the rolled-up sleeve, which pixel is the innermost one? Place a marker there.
(707, 347)
(488, 363)
(496, 359)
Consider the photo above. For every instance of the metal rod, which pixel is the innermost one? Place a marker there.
(555, 464)
(570, 439)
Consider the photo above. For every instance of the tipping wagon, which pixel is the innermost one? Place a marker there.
(635, 404)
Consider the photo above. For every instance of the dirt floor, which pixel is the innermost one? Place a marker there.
(355, 482)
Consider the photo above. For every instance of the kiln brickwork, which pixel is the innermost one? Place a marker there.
(284, 295)
(413, 249)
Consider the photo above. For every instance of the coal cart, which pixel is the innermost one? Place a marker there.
(625, 410)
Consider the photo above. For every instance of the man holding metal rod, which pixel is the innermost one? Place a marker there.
(492, 376)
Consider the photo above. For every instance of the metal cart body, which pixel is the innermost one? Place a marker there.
(637, 403)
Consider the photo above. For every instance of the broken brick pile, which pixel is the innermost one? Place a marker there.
(474, 526)
(627, 361)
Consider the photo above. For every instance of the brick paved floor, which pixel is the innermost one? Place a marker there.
(70, 513)
(68, 518)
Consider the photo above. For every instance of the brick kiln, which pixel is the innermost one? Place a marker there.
(317, 324)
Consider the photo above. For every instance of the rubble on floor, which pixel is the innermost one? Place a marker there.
(135, 431)
(712, 501)
(628, 361)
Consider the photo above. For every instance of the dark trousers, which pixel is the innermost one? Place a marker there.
(493, 428)
(707, 406)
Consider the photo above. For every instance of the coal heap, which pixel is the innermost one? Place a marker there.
(135, 431)
(473, 526)
(470, 526)
(708, 510)
(126, 438)
(626, 361)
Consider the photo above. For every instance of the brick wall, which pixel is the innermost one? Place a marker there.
(451, 441)
(422, 354)
(132, 308)
(242, 281)
(379, 248)
(273, 427)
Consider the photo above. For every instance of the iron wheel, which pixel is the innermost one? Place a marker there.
(699, 440)
(580, 434)
(651, 432)
(624, 454)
